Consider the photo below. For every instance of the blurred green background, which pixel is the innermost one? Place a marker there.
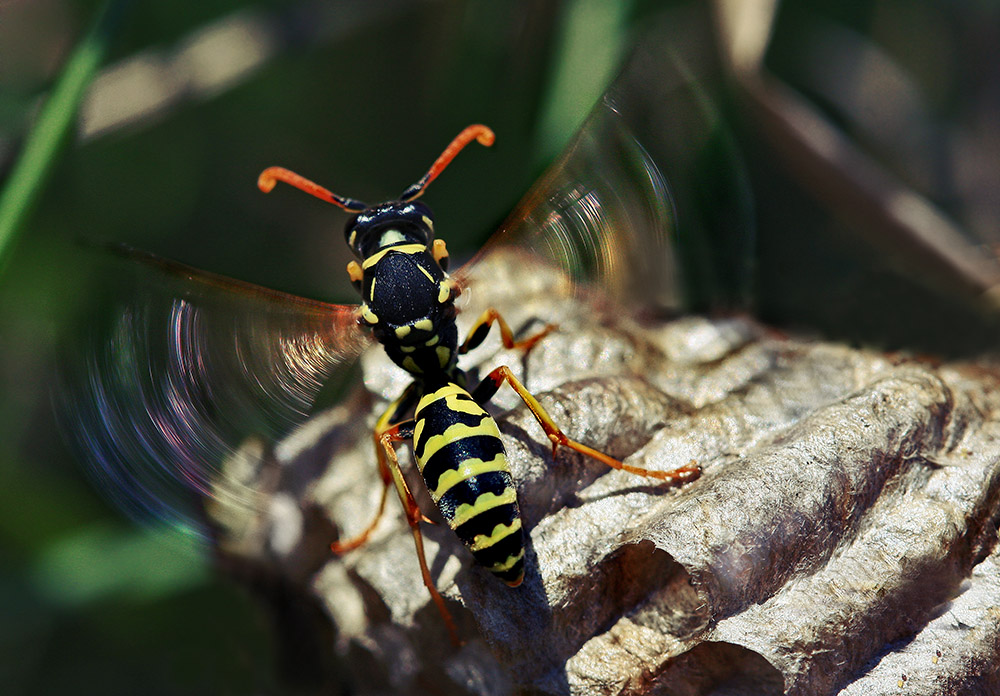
(199, 97)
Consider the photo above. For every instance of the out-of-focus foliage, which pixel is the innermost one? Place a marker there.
(361, 96)
(915, 87)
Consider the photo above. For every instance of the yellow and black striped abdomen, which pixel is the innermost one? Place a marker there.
(460, 454)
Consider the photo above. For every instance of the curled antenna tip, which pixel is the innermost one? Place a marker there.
(477, 131)
(485, 136)
(272, 175)
(267, 179)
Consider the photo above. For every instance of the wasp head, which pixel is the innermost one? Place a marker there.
(388, 225)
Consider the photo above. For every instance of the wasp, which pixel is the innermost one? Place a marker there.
(408, 303)
(181, 379)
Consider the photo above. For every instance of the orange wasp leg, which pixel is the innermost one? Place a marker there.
(397, 433)
(392, 414)
(479, 331)
(493, 381)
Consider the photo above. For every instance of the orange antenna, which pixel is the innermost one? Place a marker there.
(477, 132)
(272, 175)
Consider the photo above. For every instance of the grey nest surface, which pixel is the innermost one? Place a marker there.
(841, 538)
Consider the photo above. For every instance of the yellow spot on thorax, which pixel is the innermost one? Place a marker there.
(426, 273)
(410, 365)
(444, 355)
(401, 249)
(444, 290)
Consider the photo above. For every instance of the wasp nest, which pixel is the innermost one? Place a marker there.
(841, 538)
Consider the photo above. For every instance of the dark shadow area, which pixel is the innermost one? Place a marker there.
(718, 669)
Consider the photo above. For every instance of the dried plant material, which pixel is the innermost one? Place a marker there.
(842, 533)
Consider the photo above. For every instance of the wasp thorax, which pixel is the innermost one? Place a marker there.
(388, 225)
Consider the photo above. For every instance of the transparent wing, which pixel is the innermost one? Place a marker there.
(189, 365)
(649, 201)
(603, 214)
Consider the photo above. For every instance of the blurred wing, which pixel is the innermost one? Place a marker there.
(602, 213)
(650, 201)
(190, 365)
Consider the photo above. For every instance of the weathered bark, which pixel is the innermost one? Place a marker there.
(841, 538)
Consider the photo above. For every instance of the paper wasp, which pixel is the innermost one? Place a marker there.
(237, 359)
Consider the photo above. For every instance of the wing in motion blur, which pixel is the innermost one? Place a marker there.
(191, 364)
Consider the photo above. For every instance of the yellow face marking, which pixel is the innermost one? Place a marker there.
(410, 365)
(371, 291)
(454, 432)
(354, 235)
(500, 532)
(418, 431)
(508, 564)
(467, 469)
(486, 501)
(424, 325)
(428, 222)
(407, 349)
(403, 331)
(426, 273)
(354, 271)
(432, 341)
(444, 355)
(402, 248)
(368, 315)
(390, 237)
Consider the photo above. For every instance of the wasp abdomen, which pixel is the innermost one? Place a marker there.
(461, 457)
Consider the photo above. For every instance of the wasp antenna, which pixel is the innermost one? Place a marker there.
(476, 131)
(272, 175)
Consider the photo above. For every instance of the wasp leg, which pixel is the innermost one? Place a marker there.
(392, 414)
(342, 547)
(492, 382)
(479, 331)
(397, 433)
